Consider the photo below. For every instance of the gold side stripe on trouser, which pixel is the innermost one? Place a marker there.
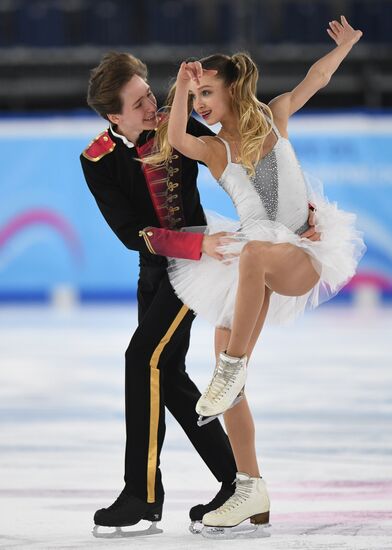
(154, 404)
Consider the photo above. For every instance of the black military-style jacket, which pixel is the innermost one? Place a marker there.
(144, 206)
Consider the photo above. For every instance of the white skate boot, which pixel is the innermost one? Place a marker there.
(225, 388)
(249, 501)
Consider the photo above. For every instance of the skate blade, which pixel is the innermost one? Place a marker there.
(203, 420)
(247, 531)
(119, 533)
(196, 527)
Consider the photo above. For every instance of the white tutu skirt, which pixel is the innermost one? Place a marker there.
(209, 286)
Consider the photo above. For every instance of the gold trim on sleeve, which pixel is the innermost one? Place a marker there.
(145, 235)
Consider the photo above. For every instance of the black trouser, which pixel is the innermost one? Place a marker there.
(155, 378)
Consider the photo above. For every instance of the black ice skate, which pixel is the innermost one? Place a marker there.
(125, 511)
(197, 512)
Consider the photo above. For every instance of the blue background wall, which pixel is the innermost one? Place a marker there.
(52, 234)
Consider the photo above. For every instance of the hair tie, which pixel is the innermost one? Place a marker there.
(236, 64)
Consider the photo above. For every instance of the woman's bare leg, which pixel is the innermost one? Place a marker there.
(238, 420)
(283, 268)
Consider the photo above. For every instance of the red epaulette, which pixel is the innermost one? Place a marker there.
(99, 147)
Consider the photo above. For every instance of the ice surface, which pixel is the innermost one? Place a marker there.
(321, 392)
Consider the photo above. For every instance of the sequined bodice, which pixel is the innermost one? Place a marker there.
(276, 192)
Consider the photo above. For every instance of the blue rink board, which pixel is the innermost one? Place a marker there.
(52, 234)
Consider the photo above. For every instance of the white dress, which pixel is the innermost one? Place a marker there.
(272, 206)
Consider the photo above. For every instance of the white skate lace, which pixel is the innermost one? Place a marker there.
(243, 491)
(224, 376)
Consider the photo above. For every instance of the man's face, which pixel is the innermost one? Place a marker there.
(139, 109)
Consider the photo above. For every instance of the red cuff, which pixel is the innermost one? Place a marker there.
(176, 244)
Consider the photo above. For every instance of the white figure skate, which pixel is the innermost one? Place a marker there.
(249, 501)
(203, 420)
(225, 389)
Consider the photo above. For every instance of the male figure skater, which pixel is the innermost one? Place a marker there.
(132, 199)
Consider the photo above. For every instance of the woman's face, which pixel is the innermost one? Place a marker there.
(211, 99)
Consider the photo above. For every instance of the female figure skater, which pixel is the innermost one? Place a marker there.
(263, 265)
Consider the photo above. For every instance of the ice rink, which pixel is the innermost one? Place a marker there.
(320, 390)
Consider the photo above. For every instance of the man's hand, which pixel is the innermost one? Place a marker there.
(212, 242)
(311, 233)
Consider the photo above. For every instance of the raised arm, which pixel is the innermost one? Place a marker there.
(319, 73)
(190, 146)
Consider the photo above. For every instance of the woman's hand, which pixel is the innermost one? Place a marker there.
(343, 33)
(311, 233)
(193, 71)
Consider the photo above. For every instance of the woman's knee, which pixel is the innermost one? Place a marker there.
(255, 250)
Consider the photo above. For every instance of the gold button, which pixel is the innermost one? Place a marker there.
(150, 233)
(105, 138)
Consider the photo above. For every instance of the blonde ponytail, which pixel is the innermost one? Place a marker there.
(254, 117)
(162, 150)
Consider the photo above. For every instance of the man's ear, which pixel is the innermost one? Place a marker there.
(114, 119)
